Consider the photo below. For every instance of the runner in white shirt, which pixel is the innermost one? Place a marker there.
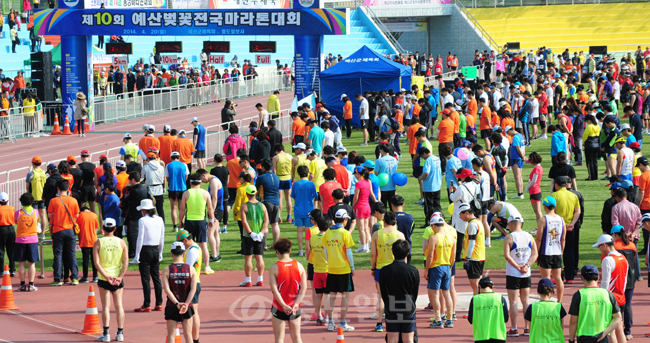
(263, 115)
(520, 252)
(364, 110)
(496, 96)
(534, 114)
(551, 237)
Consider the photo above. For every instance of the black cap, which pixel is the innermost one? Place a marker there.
(486, 282)
(589, 269)
(561, 181)
(642, 161)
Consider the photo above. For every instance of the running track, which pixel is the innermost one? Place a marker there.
(109, 136)
(230, 313)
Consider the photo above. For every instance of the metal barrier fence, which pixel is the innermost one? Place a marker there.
(20, 123)
(154, 101)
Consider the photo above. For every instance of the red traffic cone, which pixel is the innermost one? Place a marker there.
(66, 127)
(91, 322)
(6, 292)
(57, 129)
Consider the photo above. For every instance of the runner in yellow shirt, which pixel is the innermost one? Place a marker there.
(440, 256)
(381, 254)
(282, 168)
(317, 257)
(474, 246)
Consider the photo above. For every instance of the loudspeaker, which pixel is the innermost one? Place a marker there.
(598, 49)
(42, 77)
(513, 45)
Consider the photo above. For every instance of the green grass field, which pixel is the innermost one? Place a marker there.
(594, 193)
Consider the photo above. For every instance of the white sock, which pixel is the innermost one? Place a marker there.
(247, 279)
(487, 240)
(260, 278)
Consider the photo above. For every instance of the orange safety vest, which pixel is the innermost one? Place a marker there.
(27, 223)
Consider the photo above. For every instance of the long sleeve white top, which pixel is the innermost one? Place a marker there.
(151, 231)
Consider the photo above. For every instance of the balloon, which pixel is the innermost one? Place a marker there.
(400, 179)
(463, 154)
(383, 179)
(450, 209)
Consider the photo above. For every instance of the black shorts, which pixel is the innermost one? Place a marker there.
(199, 154)
(218, 215)
(279, 314)
(550, 261)
(87, 193)
(26, 252)
(486, 133)
(535, 120)
(37, 205)
(484, 207)
(475, 269)
(195, 299)
(198, 229)
(363, 123)
(273, 211)
(310, 272)
(400, 323)
(517, 282)
(251, 247)
(107, 286)
(340, 283)
(417, 171)
(175, 195)
(536, 197)
(171, 313)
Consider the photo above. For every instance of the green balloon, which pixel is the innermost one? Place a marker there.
(383, 179)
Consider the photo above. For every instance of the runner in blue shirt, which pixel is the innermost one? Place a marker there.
(386, 164)
(269, 183)
(176, 173)
(199, 143)
(316, 136)
(303, 193)
(431, 181)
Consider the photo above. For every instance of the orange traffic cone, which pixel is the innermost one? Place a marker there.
(178, 336)
(87, 125)
(6, 292)
(91, 322)
(66, 127)
(339, 336)
(57, 129)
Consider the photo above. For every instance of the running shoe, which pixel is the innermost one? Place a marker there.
(83, 280)
(66, 281)
(74, 282)
(23, 288)
(319, 322)
(379, 328)
(289, 220)
(454, 317)
(12, 274)
(568, 282)
(158, 308)
(429, 308)
(95, 280)
(143, 309)
(437, 325)
(260, 283)
(119, 337)
(519, 196)
(331, 326)
(208, 270)
(346, 327)
(246, 284)
(449, 323)
(512, 333)
(360, 250)
(526, 332)
(314, 316)
(32, 288)
(301, 253)
(56, 283)
(104, 338)
(500, 238)
(534, 232)
(374, 316)
(419, 202)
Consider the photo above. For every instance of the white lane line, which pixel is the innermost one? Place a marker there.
(46, 323)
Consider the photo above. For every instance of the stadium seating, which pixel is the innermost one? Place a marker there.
(622, 26)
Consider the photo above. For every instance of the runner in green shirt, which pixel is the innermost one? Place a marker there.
(545, 316)
(255, 220)
(491, 311)
(462, 128)
(594, 311)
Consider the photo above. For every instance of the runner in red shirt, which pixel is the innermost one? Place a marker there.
(325, 190)
(614, 274)
(288, 285)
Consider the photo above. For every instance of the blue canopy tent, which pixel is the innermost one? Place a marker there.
(364, 70)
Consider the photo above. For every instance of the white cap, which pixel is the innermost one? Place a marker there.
(342, 213)
(120, 164)
(194, 119)
(625, 126)
(515, 218)
(175, 153)
(602, 240)
(126, 135)
(341, 149)
(458, 108)
(508, 128)
(146, 204)
(167, 128)
(300, 146)
(436, 219)
(151, 128)
(104, 69)
(309, 151)
(463, 207)
(4, 197)
(145, 127)
(181, 132)
(109, 222)
(178, 246)
(343, 96)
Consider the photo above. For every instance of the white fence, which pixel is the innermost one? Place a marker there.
(13, 182)
(21, 125)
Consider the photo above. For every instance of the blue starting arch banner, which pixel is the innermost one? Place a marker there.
(156, 22)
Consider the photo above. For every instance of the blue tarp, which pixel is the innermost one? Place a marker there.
(364, 70)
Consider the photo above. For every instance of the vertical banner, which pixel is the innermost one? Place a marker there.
(307, 64)
(76, 58)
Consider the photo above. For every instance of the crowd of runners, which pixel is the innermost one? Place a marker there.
(329, 193)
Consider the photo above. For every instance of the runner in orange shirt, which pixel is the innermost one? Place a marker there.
(166, 144)
(486, 123)
(149, 140)
(88, 223)
(185, 148)
(347, 114)
(455, 118)
(472, 105)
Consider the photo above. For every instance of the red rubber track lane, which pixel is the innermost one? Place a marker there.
(19, 155)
